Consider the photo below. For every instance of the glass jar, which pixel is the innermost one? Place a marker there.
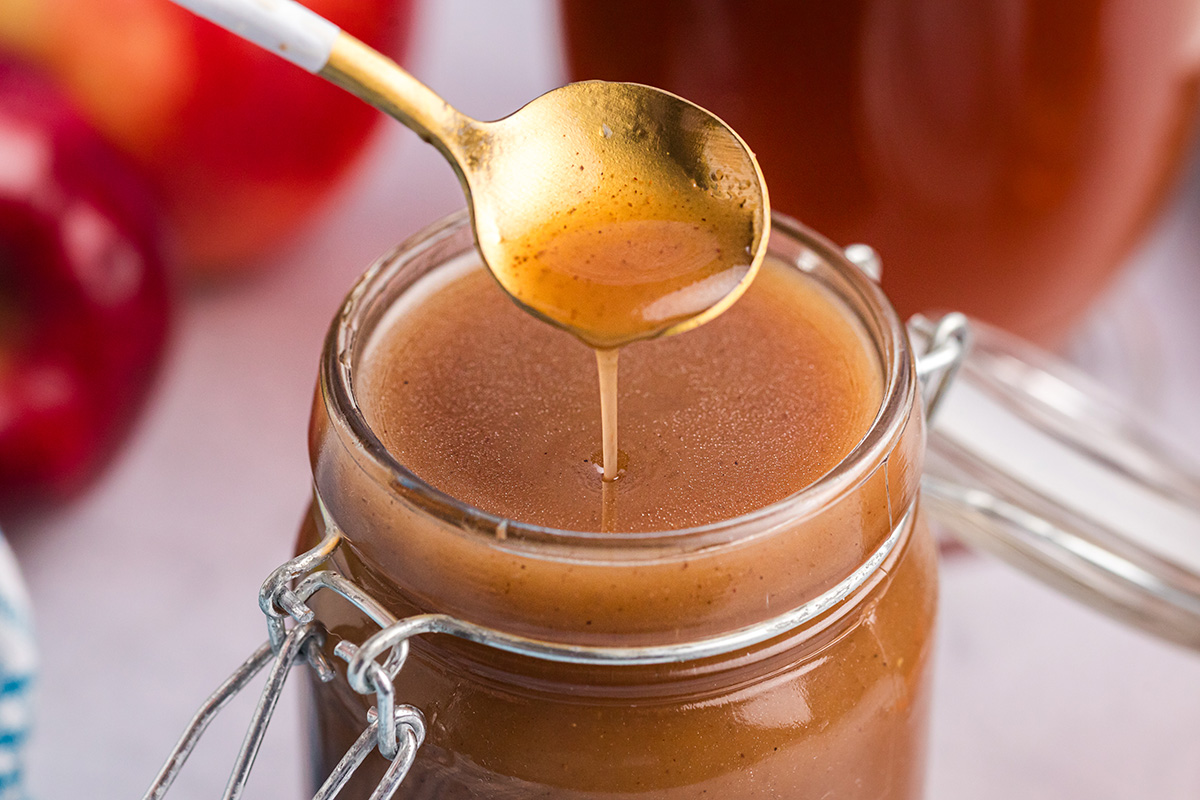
(789, 648)
(785, 652)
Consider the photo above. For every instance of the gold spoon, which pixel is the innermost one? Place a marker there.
(613, 210)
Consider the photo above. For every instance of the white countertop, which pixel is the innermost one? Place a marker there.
(145, 590)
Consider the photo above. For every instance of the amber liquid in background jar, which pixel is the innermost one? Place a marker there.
(1002, 156)
(719, 426)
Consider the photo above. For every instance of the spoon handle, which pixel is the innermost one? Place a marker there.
(308, 40)
(287, 29)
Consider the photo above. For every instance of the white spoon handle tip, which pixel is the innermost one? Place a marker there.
(286, 28)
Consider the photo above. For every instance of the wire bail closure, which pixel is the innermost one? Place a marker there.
(1119, 564)
(397, 731)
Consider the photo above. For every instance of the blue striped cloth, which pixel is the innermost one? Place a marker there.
(18, 660)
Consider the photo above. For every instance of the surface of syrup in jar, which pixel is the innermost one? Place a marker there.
(493, 407)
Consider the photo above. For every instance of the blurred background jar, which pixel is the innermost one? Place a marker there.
(1003, 156)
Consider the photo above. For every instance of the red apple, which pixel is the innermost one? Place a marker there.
(240, 144)
(83, 294)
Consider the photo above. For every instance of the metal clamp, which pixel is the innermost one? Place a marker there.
(291, 648)
(1040, 466)
(941, 349)
(397, 731)
(406, 719)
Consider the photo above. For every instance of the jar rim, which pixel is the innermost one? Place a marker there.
(348, 334)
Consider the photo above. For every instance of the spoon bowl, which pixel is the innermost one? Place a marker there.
(618, 211)
(614, 210)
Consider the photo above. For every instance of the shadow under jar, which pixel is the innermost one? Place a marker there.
(783, 652)
(1003, 156)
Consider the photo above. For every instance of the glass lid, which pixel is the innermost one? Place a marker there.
(1038, 464)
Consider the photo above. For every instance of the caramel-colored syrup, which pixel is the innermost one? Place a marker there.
(491, 406)
(606, 370)
(634, 262)
(498, 410)
(630, 267)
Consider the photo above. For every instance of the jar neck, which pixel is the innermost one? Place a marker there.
(434, 554)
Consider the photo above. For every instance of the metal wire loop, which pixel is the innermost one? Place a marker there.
(292, 648)
(398, 738)
(347, 589)
(360, 673)
(207, 713)
(398, 731)
(411, 726)
(947, 343)
(289, 588)
(385, 706)
(276, 597)
(866, 259)
(284, 596)
(294, 645)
